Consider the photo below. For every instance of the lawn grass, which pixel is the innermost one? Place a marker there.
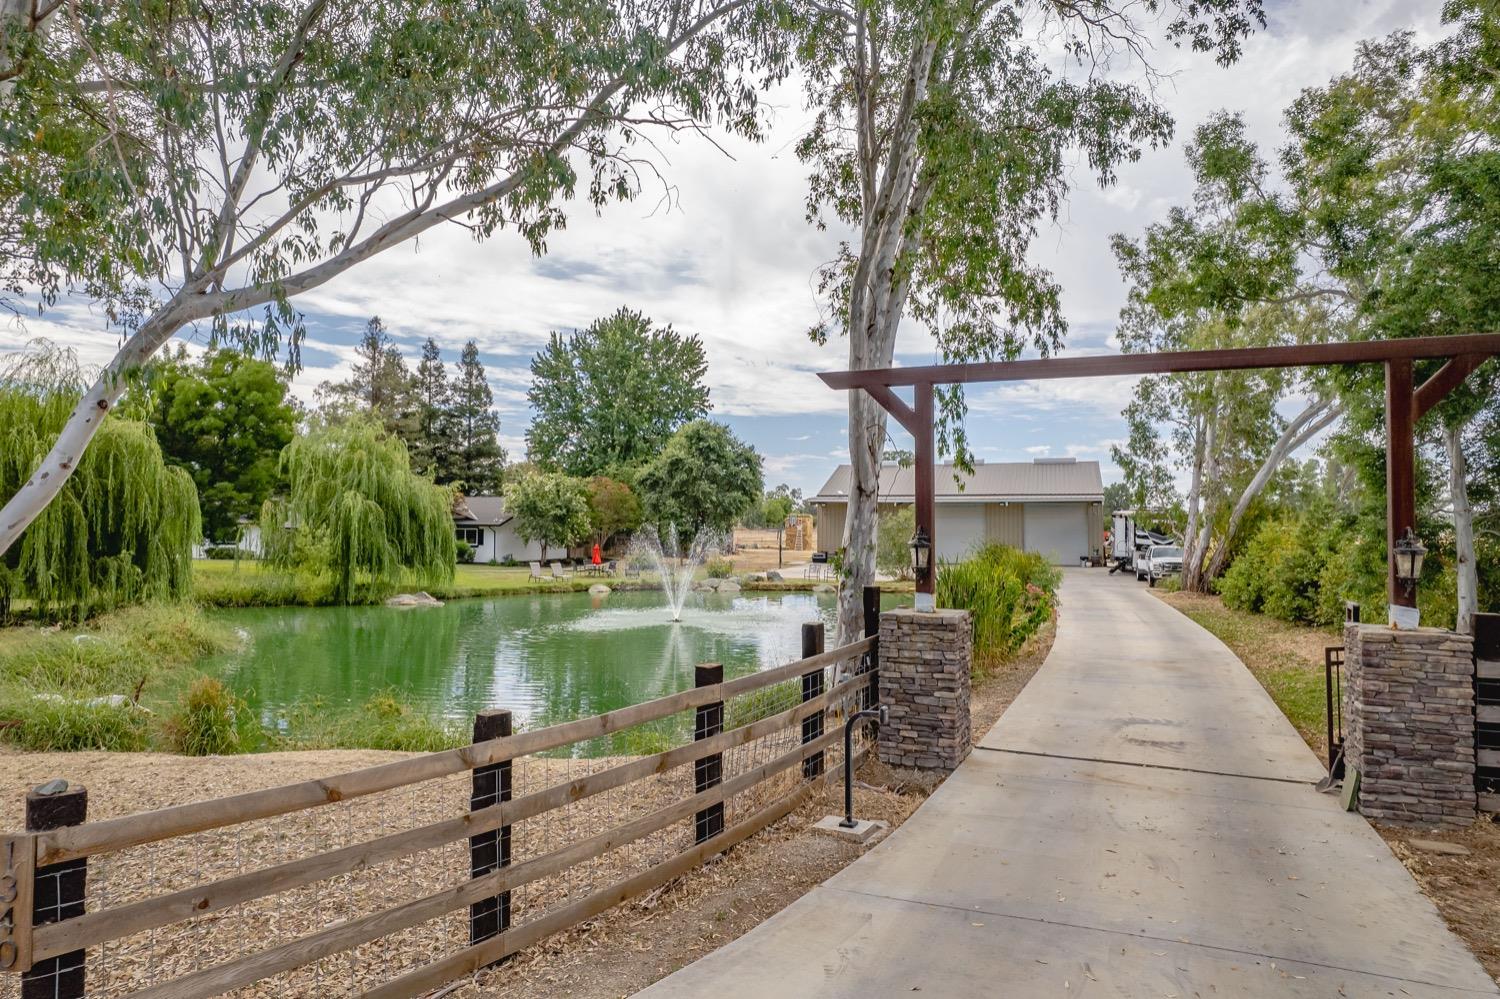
(1286, 658)
(251, 584)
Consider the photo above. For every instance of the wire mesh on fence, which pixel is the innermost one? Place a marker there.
(245, 931)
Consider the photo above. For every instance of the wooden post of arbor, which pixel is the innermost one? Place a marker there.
(490, 851)
(812, 686)
(926, 476)
(872, 658)
(708, 771)
(58, 892)
(1400, 482)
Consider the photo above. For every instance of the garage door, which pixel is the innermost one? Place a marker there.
(1060, 531)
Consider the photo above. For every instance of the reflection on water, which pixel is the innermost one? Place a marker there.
(547, 657)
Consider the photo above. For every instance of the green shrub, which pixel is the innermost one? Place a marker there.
(1009, 593)
(46, 725)
(464, 553)
(719, 568)
(893, 536)
(211, 720)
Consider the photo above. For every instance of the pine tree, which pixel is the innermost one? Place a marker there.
(433, 445)
(379, 384)
(480, 460)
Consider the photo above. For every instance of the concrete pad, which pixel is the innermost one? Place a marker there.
(863, 831)
(832, 945)
(1142, 823)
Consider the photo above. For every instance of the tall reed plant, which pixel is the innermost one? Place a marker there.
(1009, 592)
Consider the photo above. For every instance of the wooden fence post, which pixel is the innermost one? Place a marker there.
(708, 721)
(58, 893)
(872, 658)
(812, 686)
(490, 851)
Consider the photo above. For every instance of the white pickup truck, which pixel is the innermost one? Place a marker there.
(1159, 562)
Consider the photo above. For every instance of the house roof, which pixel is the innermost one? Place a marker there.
(488, 511)
(1044, 479)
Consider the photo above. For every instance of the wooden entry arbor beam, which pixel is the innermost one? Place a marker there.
(1405, 405)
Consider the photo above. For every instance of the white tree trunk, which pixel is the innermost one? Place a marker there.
(1318, 415)
(876, 303)
(49, 477)
(1194, 501)
(1463, 530)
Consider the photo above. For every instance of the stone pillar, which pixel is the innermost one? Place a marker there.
(925, 659)
(1409, 723)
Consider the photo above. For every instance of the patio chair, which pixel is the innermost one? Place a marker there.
(557, 571)
(612, 567)
(536, 570)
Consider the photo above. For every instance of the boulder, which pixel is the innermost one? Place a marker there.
(419, 599)
(728, 586)
(824, 588)
(773, 576)
(599, 589)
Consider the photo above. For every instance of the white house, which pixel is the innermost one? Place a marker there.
(1051, 505)
(490, 531)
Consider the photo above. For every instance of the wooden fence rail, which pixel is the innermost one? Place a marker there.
(764, 739)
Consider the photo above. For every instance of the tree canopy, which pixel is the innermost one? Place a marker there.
(705, 477)
(209, 163)
(122, 529)
(942, 135)
(550, 508)
(225, 418)
(607, 398)
(1381, 221)
(356, 512)
(614, 508)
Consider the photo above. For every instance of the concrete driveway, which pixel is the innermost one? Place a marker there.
(1141, 822)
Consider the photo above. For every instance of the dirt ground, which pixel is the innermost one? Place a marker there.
(617, 954)
(1465, 889)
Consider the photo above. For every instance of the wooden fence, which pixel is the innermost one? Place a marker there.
(394, 879)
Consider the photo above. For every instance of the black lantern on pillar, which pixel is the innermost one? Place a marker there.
(1408, 553)
(921, 553)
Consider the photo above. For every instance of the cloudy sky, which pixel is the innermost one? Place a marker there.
(731, 259)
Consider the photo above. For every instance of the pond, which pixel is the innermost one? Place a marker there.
(549, 658)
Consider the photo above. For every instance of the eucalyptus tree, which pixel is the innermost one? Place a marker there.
(1225, 271)
(1382, 222)
(208, 162)
(941, 137)
(1398, 162)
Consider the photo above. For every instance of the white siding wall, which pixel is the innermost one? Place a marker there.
(502, 541)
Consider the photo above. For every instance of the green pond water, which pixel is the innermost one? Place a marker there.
(549, 658)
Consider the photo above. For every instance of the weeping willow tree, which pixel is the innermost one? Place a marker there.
(355, 511)
(123, 527)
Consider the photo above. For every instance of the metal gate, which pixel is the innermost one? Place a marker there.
(1333, 687)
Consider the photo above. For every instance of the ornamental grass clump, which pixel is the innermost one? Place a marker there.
(211, 720)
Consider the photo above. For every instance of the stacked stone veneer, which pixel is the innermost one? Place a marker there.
(1409, 723)
(925, 660)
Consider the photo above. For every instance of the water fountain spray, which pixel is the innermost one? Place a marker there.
(675, 568)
